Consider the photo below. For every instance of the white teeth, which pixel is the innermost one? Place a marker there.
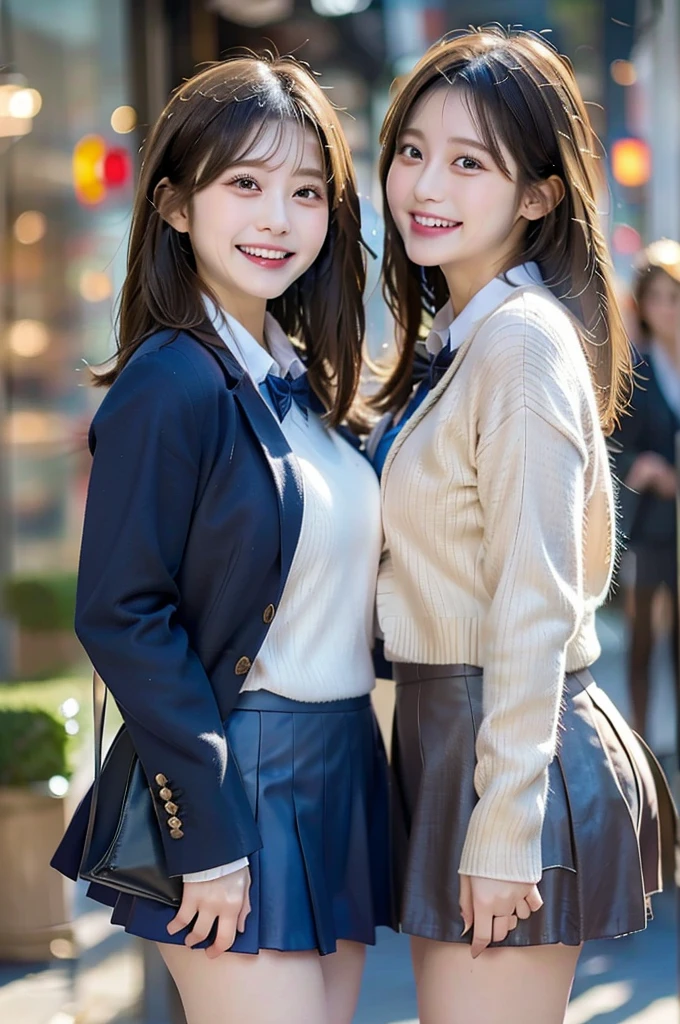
(265, 254)
(434, 222)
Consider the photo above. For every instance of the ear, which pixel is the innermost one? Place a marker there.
(542, 198)
(164, 199)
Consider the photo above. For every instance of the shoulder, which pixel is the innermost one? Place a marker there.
(536, 332)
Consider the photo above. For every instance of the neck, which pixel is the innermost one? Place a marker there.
(464, 280)
(249, 310)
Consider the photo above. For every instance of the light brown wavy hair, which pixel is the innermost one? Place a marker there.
(211, 122)
(524, 97)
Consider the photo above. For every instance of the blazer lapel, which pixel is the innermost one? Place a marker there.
(281, 460)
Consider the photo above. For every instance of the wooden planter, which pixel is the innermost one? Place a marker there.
(34, 899)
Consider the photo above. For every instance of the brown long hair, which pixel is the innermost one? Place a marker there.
(210, 123)
(523, 95)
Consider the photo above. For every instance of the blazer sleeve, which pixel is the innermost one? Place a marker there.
(147, 443)
(631, 438)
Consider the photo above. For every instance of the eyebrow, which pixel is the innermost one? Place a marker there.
(458, 140)
(300, 172)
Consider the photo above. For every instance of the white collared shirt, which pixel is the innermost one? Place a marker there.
(453, 330)
(319, 646)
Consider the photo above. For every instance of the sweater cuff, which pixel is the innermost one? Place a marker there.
(496, 848)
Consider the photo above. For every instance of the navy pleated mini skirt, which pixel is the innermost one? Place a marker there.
(316, 777)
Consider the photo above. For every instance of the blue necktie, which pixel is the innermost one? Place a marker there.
(439, 365)
(283, 391)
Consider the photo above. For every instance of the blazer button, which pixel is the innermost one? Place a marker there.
(161, 780)
(242, 666)
(174, 823)
(171, 808)
(268, 614)
(165, 794)
(176, 833)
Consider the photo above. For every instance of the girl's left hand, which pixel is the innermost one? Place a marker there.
(494, 907)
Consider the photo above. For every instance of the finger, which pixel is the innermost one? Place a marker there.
(533, 899)
(465, 901)
(500, 929)
(225, 938)
(201, 928)
(483, 930)
(245, 910)
(513, 922)
(522, 910)
(183, 917)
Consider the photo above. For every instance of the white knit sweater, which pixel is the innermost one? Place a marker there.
(499, 525)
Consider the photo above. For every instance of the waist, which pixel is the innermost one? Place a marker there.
(265, 700)
(405, 673)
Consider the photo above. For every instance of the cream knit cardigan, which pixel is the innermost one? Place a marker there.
(499, 529)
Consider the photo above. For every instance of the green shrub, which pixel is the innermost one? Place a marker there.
(41, 602)
(32, 746)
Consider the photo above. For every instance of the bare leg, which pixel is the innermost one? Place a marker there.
(270, 988)
(417, 953)
(511, 985)
(342, 973)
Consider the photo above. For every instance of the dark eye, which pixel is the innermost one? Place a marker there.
(245, 184)
(309, 192)
(468, 163)
(410, 151)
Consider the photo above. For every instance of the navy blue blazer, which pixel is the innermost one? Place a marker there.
(193, 515)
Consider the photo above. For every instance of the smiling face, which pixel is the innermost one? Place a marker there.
(452, 205)
(261, 223)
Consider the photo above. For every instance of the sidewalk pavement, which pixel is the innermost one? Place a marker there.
(624, 981)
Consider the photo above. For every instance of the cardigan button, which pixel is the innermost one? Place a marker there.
(171, 808)
(165, 794)
(242, 666)
(268, 614)
(176, 833)
(174, 823)
(161, 779)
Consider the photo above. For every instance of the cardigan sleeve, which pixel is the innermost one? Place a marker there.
(531, 481)
(147, 444)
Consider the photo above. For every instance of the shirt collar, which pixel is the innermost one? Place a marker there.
(447, 329)
(252, 356)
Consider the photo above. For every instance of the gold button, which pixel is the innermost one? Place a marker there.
(269, 613)
(242, 666)
(174, 823)
(176, 833)
(165, 793)
(171, 808)
(161, 780)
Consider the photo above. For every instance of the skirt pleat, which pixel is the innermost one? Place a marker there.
(600, 841)
(316, 778)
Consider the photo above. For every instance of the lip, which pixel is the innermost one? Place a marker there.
(263, 261)
(431, 232)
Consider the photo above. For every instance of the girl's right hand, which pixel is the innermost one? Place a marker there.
(226, 899)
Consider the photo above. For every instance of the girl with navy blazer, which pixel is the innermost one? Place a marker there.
(230, 552)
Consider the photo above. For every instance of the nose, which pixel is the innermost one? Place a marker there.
(273, 214)
(429, 186)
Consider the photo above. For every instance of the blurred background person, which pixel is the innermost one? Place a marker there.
(645, 463)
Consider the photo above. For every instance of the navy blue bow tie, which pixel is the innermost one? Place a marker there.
(283, 391)
(439, 364)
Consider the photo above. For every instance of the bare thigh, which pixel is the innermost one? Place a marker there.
(527, 985)
(342, 972)
(270, 988)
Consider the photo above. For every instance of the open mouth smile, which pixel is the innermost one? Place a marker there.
(265, 257)
(422, 224)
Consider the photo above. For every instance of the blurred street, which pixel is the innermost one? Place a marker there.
(625, 981)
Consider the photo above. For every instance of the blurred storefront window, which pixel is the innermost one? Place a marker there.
(66, 188)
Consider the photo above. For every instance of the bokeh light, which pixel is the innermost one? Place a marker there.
(124, 120)
(95, 286)
(29, 227)
(28, 338)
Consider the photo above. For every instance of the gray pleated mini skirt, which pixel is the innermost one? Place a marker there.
(601, 843)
